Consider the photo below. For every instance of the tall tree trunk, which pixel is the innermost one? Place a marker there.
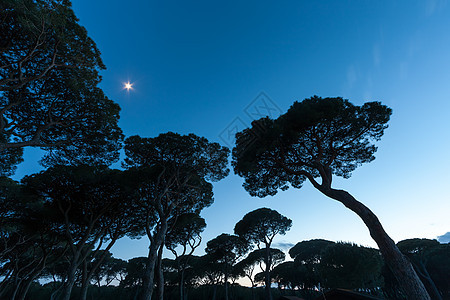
(214, 292)
(160, 274)
(148, 283)
(267, 280)
(402, 269)
(68, 285)
(84, 282)
(181, 284)
(31, 278)
(87, 276)
(423, 273)
(226, 282)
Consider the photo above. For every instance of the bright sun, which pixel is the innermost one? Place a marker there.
(128, 86)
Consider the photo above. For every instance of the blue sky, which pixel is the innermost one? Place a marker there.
(197, 65)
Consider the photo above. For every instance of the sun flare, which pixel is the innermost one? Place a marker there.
(128, 86)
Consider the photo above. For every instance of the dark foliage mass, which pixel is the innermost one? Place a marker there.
(57, 227)
(49, 94)
(319, 138)
(316, 137)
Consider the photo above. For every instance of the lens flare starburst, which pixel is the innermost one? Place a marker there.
(128, 86)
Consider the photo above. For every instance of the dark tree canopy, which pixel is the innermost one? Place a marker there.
(90, 207)
(226, 248)
(319, 138)
(309, 251)
(174, 173)
(431, 261)
(189, 154)
(262, 225)
(346, 265)
(49, 94)
(316, 137)
(185, 232)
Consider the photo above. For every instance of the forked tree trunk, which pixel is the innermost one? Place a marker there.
(402, 269)
(149, 275)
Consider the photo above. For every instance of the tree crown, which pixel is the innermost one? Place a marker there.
(261, 225)
(316, 137)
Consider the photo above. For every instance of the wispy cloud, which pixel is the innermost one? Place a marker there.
(283, 245)
(445, 238)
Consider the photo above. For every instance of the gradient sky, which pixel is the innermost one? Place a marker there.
(198, 66)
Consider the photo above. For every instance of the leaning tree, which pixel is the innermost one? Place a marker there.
(316, 139)
(173, 177)
(49, 94)
(259, 227)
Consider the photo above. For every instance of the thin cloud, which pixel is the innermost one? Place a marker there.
(285, 246)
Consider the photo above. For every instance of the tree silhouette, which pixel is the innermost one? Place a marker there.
(319, 138)
(208, 272)
(428, 257)
(27, 243)
(247, 266)
(309, 251)
(185, 232)
(290, 275)
(49, 94)
(90, 207)
(224, 251)
(260, 227)
(349, 266)
(174, 173)
(307, 256)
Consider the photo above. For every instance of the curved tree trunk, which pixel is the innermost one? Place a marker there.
(31, 278)
(402, 269)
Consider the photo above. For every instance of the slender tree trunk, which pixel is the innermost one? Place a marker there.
(148, 284)
(214, 292)
(226, 285)
(423, 273)
(160, 273)
(27, 284)
(16, 286)
(181, 284)
(402, 269)
(67, 289)
(84, 282)
(267, 280)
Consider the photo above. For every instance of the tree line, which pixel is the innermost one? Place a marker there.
(71, 214)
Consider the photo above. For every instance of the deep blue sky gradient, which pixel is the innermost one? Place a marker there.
(196, 66)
